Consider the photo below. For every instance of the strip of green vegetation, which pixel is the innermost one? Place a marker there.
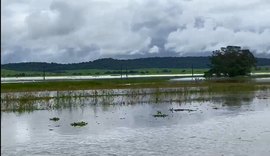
(220, 85)
(81, 85)
(136, 71)
(261, 69)
(13, 73)
(96, 72)
(93, 72)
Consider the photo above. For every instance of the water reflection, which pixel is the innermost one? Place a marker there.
(70, 100)
(121, 121)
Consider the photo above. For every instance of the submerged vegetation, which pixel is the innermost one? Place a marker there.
(123, 84)
(59, 95)
(181, 110)
(87, 84)
(79, 124)
(54, 119)
(159, 114)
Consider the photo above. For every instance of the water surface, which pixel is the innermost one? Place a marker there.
(222, 124)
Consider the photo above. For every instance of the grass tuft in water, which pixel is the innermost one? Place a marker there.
(54, 119)
(160, 114)
(79, 124)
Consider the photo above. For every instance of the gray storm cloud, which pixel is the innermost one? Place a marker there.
(75, 31)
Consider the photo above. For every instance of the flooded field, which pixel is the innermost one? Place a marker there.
(55, 78)
(183, 77)
(171, 121)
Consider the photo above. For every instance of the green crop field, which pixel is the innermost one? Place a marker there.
(12, 73)
(93, 72)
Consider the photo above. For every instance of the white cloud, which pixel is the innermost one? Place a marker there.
(242, 23)
(210, 38)
(154, 49)
(75, 31)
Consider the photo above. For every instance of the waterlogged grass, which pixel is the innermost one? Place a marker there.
(79, 124)
(241, 84)
(159, 114)
(54, 119)
(28, 103)
(81, 85)
(233, 87)
(100, 91)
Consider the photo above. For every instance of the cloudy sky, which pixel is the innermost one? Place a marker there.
(67, 31)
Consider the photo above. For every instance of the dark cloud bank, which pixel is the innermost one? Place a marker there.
(74, 31)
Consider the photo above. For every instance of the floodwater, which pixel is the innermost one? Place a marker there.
(220, 124)
(88, 77)
(183, 77)
(198, 78)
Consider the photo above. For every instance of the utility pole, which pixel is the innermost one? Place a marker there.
(1, 59)
(43, 73)
(121, 72)
(192, 71)
(126, 73)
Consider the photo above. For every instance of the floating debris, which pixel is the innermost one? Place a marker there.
(80, 124)
(54, 119)
(181, 109)
(159, 114)
(262, 97)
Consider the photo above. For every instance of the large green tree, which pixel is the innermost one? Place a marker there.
(231, 61)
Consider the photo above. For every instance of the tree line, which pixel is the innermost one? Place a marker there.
(115, 64)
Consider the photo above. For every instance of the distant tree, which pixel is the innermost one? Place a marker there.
(231, 61)
(258, 68)
(166, 71)
(107, 72)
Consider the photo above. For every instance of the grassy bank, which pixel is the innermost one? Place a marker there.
(220, 85)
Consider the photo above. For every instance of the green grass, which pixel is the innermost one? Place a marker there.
(221, 85)
(81, 85)
(261, 69)
(13, 73)
(93, 72)
(9, 73)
